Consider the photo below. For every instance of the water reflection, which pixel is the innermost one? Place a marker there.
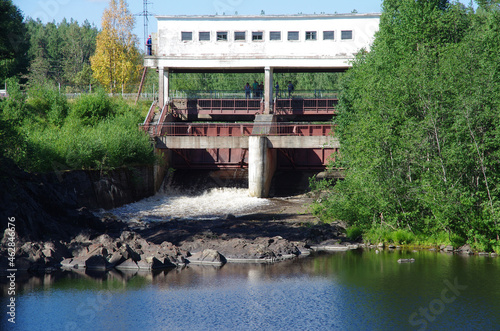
(356, 290)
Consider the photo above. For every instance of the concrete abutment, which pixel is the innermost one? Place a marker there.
(261, 166)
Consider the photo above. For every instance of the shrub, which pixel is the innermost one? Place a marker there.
(92, 108)
(353, 233)
(49, 103)
(402, 237)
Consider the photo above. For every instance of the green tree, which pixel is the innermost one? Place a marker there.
(418, 124)
(117, 61)
(13, 44)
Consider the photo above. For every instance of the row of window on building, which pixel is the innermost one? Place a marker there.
(273, 35)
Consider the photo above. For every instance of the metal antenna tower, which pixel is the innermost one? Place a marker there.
(145, 13)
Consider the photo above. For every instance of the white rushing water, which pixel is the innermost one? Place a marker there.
(210, 204)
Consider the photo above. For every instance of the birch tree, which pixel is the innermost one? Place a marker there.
(116, 62)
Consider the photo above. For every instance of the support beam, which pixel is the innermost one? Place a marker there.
(161, 97)
(163, 86)
(261, 166)
(268, 90)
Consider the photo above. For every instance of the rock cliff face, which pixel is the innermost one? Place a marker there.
(56, 206)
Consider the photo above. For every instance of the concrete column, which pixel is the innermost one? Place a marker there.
(166, 86)
(161, 97)
(261, 166)
(268, 90)
(163, 86)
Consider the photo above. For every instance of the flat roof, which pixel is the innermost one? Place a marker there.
(264, 17)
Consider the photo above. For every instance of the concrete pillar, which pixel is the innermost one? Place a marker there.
(261, 166)
(163, 86)
(161, 97)
(268, 90)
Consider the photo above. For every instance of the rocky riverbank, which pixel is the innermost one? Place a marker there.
(53, 231)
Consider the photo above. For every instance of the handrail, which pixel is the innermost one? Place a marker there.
(305, 106)
(242, 129)
(240, 94)
(163, 114)
(150, 114)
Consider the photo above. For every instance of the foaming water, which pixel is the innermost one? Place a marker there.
(210, 204)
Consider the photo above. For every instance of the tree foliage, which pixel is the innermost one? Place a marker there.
(13, 44)
(60, 53)
(117, 61)
(418, 124)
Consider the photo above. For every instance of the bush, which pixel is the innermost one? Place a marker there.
(14, 107)
(92, 108)
(49, 103)
(402, 237)
(353, 233)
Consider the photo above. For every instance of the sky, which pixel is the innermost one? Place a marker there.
(91, 10)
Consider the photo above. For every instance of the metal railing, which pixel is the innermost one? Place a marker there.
(159, 128)
(240, 94)
(305, 106)
(150, 116)
(146, 96)
(241, 129)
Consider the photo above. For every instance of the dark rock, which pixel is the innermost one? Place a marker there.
(97, 262)
(128, 264)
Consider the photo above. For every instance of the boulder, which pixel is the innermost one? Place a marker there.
(128, 264)
(74, 263)
(208, 256)
(115, 259)
(465, 249)
(406, 260)
(97, 262)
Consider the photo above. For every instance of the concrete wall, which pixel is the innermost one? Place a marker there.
(199, 142)
(109, 189)
(172, 51)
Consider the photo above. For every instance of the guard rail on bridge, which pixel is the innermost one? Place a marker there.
(294, 106)
(240, 129)
(291, 106)
(217, 106)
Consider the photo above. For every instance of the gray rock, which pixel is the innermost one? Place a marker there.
(116, 258)
(208, 256)
(128, 264)
(97, 262)
(406, 260)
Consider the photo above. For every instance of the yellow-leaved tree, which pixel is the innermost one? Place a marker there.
(117, 61)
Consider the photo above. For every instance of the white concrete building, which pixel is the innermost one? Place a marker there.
(259, 43)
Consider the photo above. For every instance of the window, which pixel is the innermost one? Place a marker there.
(328, 35)
(257, 36)
(346, 35)
(240, 36)
(221, 36)
(275, 35)
(186, 36)
(293, 35)
(204, 36)
(310, 35)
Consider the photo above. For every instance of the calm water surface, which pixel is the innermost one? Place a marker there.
(356, 290)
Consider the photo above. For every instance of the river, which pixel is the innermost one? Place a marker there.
(355, 290)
